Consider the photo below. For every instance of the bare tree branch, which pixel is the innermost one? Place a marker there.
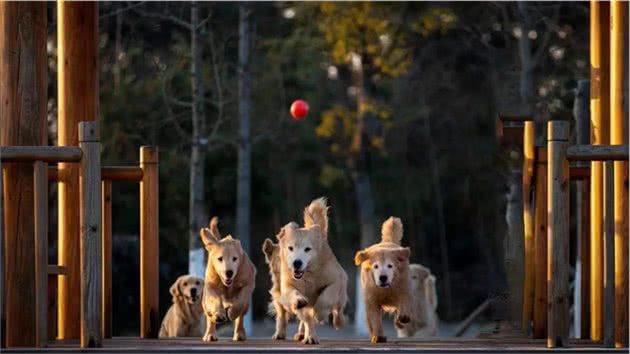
(121, 10)
(161, 16)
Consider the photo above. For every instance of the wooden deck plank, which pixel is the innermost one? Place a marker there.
(327, 345)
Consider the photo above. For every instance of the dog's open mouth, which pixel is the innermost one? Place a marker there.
(228, 282)
(298, 274)
(384, 285)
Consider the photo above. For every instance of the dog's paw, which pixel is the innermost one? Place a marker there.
(239, 337)
(210, 338)
(378, 339)
(278, 336)
(310, 340)
(401, 321)
(298, 337)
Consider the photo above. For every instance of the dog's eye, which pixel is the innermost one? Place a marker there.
(185, 284)
(376, 266)
(197, 282)
(220, 259)
(234, 259)
(307, 249)
(291, 248)
(389, 266)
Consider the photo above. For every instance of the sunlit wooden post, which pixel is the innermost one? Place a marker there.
(40, 218)
(91, 228)
(599, 136)
(23, 102)
(528, 223)
(149, 243)
(77, 82)
(609, 254)
(618, 135)
(540, 245)
(558, 234)
(107, 257)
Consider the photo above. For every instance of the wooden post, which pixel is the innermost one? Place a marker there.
(599, 136)
(618, 36)
(528, 223)
(581, 303)
(77, 93)
(558, 234)
(107, 258)
(609, 254)
(90, 226)
(149, 243)
(40, 218)
(540, 240)
(23, 105)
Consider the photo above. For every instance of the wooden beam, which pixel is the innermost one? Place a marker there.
(40, 218)
(108, 173)
(529, 152)
(558, 235)
(23, 111)
(40, 153)
(91, 228)
(618, 135)
(540, 245)
(609, 253)
(107, 258)
(77, 93)
(599, 38)
(149, 243)
(597, 152)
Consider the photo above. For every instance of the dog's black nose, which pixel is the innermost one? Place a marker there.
(297, 264)
(383, 278)
(193, 292)
(229, 274)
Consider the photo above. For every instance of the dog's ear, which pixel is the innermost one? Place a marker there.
(268, 247)
(402, 254)
(213, 226)
(283, 231)
(207, 238)
(361, 257)
(175, 292)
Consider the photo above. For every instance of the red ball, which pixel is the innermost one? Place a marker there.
(299, 109)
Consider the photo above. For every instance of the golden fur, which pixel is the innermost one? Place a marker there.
(313, 284)
(229, 283)
(185, 316)
(385, 280)
(424, 321)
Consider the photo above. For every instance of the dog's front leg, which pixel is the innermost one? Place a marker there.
(374, 315)
(281, 321)
(403, 314)
(211, 330)
(299, 336)
(307, 316)
(294, 300)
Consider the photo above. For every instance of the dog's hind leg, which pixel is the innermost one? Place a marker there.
(299, 336)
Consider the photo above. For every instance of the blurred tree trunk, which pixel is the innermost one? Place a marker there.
(197, 213)
(439, 207)
(361, 180)
(243, 202)
(117, 51)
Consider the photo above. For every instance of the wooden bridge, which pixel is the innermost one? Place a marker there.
(80, 316)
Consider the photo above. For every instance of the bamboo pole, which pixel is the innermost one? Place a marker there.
(558, 234)
(540, 248)
(528, 223)
(599, 24)
(91, 228)
(40, 218)
(23, 97)
(77, 77)
(618, 36)
(149, 243)
(107, 258)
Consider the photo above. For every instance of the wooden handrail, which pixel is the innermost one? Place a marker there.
(597, 152)
(108, 173)
(40, 153)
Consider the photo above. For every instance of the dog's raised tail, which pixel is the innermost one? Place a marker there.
(316, 213)
(392, 230)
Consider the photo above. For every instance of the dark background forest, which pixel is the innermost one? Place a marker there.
(403, 103)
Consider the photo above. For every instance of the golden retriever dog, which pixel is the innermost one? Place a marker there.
(229, 284)
(271, 251)
(313, 284)
(424, 320)
(385, 280)
(185, 316)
